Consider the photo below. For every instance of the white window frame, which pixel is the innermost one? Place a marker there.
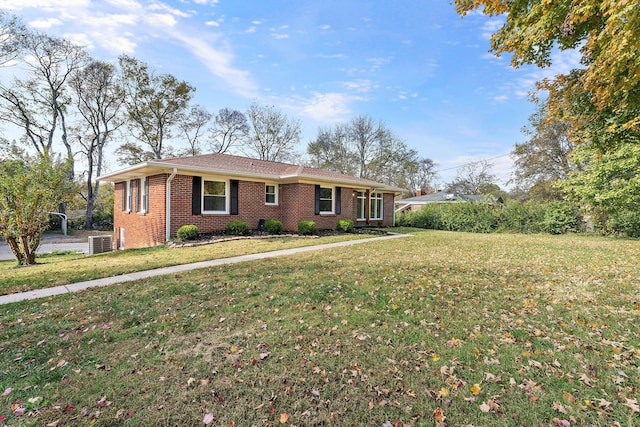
(227, 197)
(144, 195)
(275, 194)
(376, 200)
(361, 196)
(333, 201)
(129, 195)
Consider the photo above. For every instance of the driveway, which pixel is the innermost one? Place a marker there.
(50, 243)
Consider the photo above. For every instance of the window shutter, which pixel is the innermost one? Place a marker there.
(317, 211)
(338, 199)
(138, 195)
(234, 197)
(196, 196)
(124, 195)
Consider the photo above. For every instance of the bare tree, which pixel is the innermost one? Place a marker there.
(192, 125)
(273, 136)
(230, 127)
(98, 98)
(472, 177)
(423, 175)
(11, 34)
(367, 149)
(37, 104)
(332, 150)
(155, 103)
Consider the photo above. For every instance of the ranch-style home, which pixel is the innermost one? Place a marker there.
(154, 199)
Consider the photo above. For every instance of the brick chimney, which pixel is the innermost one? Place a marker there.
(418, 192)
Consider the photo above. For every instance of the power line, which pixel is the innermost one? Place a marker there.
(472, 163)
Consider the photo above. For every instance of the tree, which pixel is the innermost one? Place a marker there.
(131, 153)
(11, 33)
(31, 188)
(472, 178)
(368, 149)
(544, 159)
(229, 128)
(38, 104)
(273, 136)
(332, 150)
(600, 101)
(98, 98)
(155, 103)
(191, 125)
(422, 174)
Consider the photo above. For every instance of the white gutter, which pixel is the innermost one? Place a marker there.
(168, 205)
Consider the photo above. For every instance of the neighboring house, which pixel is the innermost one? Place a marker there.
(416, 203)
(154, 199)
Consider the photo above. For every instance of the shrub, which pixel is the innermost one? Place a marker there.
(273, 226)
(306, 227)
(237, 228)
(626, 222)
(187, 232)
(345, 225)
(560, 218)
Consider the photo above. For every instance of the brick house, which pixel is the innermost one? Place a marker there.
(154, 199)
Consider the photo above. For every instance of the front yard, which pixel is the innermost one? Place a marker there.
(437, 328)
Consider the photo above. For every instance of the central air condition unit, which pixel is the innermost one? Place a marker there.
(100, 244)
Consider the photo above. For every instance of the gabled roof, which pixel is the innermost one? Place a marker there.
(243, 168)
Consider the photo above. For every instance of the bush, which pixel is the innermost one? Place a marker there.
(626, 222)
(273, 226)
(469, 217)
(187, 232)
(345, 225)
(306, 227)
(237, 228)
(560, 218)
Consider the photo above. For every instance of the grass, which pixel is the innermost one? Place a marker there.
(500, 330)
(64, 267)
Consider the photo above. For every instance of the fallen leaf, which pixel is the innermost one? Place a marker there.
(54, 423)
(264, 355)
(438, 414)
(7, 391)
(284, 417)
(208, 419)
(633, 404)
(484, 407)
(475, 389)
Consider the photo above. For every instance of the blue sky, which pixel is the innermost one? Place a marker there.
(417, 66)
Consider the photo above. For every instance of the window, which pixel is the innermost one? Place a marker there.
(361, 204)
(214, 196)
(376, 206)
(326, 200)
(271, 194)
(129, 195)
(124, 196)
(145, 194)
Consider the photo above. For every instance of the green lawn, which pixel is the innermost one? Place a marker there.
(61, 269)
(488, 330)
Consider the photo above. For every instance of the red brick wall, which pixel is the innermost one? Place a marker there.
(296, 202)
(251, 207)
(141, 229)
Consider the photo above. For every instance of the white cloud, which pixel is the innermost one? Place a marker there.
(334, 56)
(43, 24)
(256, 22)
(160, 20)
(361, 86)
(490, 27)
(212, 23)
(501, 98)
(219, 63)
(327, 107)
(251, 29)
(325, 27)
(280, 36)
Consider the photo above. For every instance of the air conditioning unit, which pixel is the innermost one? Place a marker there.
(100, 244)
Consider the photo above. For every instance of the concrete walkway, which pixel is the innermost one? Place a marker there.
(80, 286)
